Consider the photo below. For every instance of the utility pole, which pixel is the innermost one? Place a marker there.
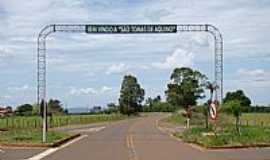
(44, 130)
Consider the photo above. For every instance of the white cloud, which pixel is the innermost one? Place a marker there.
(24, 39)
(5, 52)
(88, 91)
(255, 81)
(5, 97)
(105, 89)
(253, 73)
(117, 69)
(145, 67)
(179, 58)
(200, 40)
(20, 88)
(253, 78)
(82, 91)
(156, 15)
(246, 39)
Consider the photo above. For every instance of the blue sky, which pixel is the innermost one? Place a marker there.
(87, 70)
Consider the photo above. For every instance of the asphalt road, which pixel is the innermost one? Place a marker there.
(140, 139)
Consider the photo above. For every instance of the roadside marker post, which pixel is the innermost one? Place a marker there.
(213, 111)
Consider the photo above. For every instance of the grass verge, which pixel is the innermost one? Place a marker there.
(33, 136)
(254, 133)
(26, 131)
(227, 137)
(175, 118)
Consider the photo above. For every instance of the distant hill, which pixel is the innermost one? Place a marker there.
(78, 110)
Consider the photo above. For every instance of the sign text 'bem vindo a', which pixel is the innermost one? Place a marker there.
(162, 28)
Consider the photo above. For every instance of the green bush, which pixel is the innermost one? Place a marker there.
(159, 107)
(234, 107)
(176, 118)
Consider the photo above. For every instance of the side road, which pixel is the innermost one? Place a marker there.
(19, 153)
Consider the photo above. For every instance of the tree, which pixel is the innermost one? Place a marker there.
(157, 99)
(186, 87)
(238, 95)
(36, 109)
(24, 110)
(156, 105)
(55, 107)
(9, 108)
(131, 95)
(150, 102)
(159, 107)
(234, 107)
(111, 108)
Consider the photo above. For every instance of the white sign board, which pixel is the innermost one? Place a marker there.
(213, 111)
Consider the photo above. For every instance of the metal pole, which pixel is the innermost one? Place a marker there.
(42, 77)
(44, 130)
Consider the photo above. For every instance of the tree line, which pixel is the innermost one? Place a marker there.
(54, 107)
(185, 88)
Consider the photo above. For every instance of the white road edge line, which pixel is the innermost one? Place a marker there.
(2, 151)
(52, 150)
(90, 129)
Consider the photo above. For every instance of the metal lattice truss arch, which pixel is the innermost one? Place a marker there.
(81, 28)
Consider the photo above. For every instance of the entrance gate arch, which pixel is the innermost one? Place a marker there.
(124, 29)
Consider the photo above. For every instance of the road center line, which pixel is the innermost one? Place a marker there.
(127, 141)
(135, 157)
(130, 144)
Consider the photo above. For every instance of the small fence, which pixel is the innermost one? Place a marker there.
(254, 123)
(54, 121)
